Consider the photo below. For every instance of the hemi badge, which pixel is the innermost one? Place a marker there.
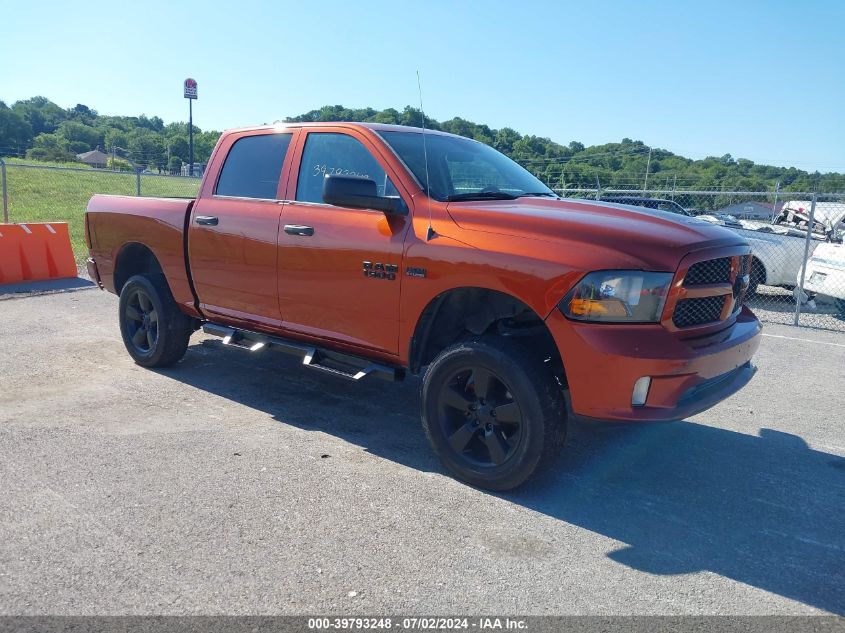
(415, 272)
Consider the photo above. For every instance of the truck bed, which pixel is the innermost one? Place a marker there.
(117, 222)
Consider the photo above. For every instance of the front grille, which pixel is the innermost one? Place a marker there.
(698, 311)
(711, 271)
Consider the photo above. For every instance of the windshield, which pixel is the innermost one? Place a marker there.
(463, 169)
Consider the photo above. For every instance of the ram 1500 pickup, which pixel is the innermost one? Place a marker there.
(375, 250)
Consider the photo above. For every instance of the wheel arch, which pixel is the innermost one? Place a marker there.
(760, 266)
(471, 310)
(134, 258)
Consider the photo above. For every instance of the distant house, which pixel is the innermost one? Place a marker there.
(94, 158)
(750, 210)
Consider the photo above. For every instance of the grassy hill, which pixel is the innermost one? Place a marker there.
(62, 195)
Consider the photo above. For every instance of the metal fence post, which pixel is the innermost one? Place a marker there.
(5, 192)
(800, 293)
(138, 182)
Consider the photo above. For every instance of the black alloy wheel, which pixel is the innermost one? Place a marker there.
(141, 321)
(493, 411)
(480, 417)
(154, 329)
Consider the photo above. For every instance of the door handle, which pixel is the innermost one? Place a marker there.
(298, 229)
(206, 220)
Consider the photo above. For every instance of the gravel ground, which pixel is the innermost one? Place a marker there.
(777, 305)
(242, 484)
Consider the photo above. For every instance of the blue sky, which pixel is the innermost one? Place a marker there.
(758, 80)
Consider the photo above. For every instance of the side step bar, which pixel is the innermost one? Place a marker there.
(343, 365)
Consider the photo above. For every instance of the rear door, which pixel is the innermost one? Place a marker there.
(233, 231)
(340, 268)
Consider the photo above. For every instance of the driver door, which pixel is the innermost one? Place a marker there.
(326, 251)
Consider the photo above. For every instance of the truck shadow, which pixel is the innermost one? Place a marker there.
(765, 510)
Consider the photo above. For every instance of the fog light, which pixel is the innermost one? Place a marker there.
(638, 397)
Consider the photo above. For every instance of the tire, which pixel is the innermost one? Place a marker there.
(468, 429)
(757, 277)
(154, 330)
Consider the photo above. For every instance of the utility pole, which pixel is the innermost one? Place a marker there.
(775, 206)
(647, 166)
(190, 94)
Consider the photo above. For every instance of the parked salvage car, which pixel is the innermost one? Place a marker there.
(779, 247)
(660, 204)
(825, 274)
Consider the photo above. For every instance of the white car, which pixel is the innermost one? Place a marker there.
(825, 274)
(779, 249)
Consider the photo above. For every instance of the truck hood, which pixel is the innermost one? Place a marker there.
(653, 240)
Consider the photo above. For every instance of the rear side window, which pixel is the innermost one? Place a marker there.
(327, 153)
(253, 167)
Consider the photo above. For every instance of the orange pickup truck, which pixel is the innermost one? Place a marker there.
(385, 250)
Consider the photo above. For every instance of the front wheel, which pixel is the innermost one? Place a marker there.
(492, 411)
(155, 332)
(757, 277)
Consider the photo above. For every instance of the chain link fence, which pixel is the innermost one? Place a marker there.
(796, 275)
(49, 193)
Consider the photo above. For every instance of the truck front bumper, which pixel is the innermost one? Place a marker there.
(603, 362)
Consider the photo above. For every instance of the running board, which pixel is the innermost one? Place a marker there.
(343, 365)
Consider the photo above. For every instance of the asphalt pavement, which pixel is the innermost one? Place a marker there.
(242, 483)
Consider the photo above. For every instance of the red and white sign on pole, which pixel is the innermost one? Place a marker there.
(190, 88)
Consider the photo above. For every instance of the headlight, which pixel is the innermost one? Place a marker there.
(618, 296)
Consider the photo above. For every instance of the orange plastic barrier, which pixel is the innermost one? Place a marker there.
(34, 252)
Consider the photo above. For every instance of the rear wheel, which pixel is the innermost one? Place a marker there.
(155, 332)
(492, 411)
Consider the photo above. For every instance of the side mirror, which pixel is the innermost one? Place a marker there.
(358, 193)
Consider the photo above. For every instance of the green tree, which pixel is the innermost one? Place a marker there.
(83, 136)
(504, 139)
(51, 147)
(41, 113)
(146, 148)
(174, 165)
(15, 131)
(50, 132)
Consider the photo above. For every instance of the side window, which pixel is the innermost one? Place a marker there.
(253, 167)
(328, 153)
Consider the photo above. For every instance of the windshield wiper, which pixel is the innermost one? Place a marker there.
(481, 195)
(538, 194)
